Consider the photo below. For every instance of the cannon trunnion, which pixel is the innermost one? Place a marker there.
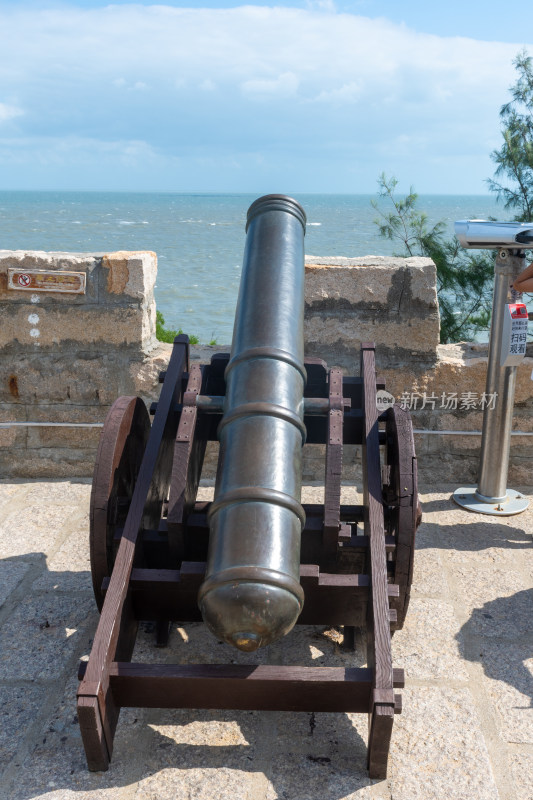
(157, 553)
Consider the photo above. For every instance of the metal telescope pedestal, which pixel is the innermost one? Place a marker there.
(492, 496)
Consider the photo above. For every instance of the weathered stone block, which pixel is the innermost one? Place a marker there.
(62, 437)
(128, 275)
(39, 260)
(66, 357)
(380, 282)
(66, 376)
(11, 438)
(69, 413)
(27, 326)
(12, 412)
(111, 278)
(47, 462)
(391, 301)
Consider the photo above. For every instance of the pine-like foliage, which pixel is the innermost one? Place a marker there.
(514, 159)
(464, 278)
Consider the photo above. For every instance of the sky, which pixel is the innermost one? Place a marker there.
(288, 97)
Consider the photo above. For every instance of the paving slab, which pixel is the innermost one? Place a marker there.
(439, 750)
(522, 766)
(496, 602)
(508, 668)
(36, 526)
(466, 730)
(42, 634)
(11, 574)
(427, 646)
(17, 704)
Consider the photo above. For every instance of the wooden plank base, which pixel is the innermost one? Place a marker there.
(242, 687)
(350, 575)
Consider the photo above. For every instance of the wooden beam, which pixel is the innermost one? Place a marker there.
(244, 687)
(333, 473)
(116, 630)
(379, 655)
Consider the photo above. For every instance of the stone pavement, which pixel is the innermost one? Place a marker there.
(466, 730)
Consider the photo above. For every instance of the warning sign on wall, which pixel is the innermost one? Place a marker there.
(38, 280)
(514, 334)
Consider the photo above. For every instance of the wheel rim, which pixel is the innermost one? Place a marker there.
(400, 494)
(118, 460)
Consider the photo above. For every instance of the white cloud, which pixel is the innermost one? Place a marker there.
(8, 112)
(250, 45)
(71, 150)
(122, 83)
(199, 81)
(285, 85)
(322, 5)
(347, 93)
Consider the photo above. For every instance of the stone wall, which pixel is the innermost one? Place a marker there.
(390, 301)
(64, 358)
(393, 301)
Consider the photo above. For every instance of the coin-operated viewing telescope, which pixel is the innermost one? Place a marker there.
(481, 234)
(507, 349)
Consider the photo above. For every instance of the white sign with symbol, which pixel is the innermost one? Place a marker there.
(514, 335)
(44, 280)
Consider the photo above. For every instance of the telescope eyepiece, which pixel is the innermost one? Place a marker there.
(481, 234)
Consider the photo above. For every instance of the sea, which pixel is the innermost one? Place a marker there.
(199, 238)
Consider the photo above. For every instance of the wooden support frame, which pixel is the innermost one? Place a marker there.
(115, 636)
(333, 476)
(160, 565)
(379, 653)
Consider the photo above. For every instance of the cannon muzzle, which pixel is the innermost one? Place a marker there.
(251, 595)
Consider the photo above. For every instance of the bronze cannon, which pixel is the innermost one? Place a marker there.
(252, 593)
(255, 561)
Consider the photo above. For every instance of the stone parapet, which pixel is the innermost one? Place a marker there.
(390, 301)
(65, 357)
(446, 403)
(57, 385)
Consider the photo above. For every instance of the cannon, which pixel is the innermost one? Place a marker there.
(255, 561)
(252, 593)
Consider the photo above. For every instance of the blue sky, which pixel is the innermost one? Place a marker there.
(288, 97)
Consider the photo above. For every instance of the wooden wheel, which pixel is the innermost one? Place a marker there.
(400, 496)
(118, 460)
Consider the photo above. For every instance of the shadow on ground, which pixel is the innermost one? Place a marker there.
(482, 533)
(169, 753)
(483, 639)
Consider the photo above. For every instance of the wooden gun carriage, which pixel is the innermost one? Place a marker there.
(157, 553)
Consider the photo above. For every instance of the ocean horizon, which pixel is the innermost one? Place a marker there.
(199, 237)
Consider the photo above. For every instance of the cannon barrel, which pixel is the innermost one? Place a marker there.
(251, 594)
